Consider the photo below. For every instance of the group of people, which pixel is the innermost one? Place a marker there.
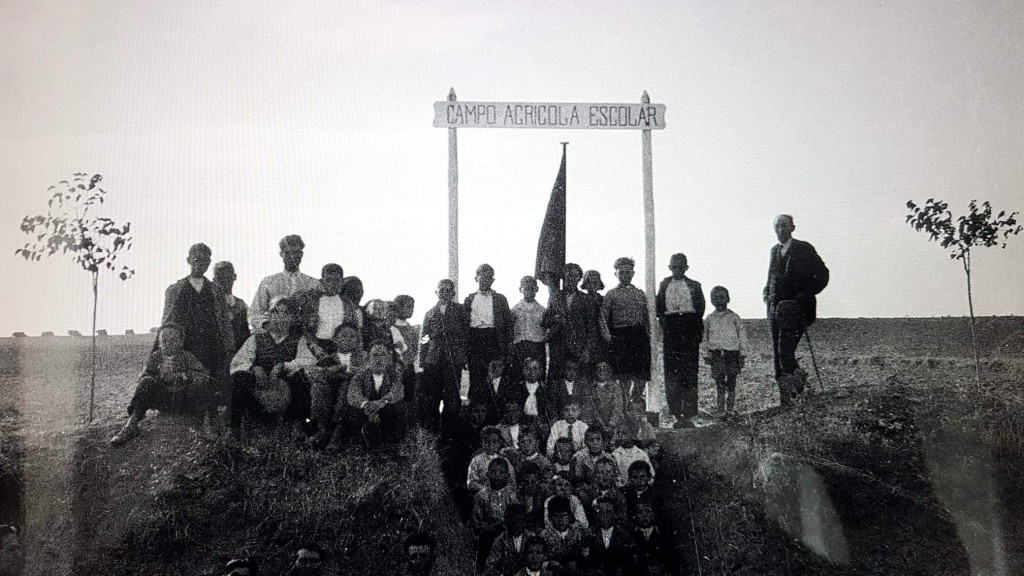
(554, 435)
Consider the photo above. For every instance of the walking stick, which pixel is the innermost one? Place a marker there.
(814, 360)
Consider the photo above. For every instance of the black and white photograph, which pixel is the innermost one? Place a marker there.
(454, 288)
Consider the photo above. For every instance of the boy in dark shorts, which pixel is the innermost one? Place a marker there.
(725, 340)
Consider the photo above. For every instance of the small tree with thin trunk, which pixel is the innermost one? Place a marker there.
(94, 242)
(979, 228)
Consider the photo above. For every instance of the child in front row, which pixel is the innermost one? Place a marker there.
(489, 506)
(725, 342)
(174, 380)
(476, 477)
(569, 427)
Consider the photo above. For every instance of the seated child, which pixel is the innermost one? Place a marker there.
(507, 552)
(568, 543)
(561, 458)
(489, 506)
(584, 460)
(640, 488)
(476, 478)
(510, 423)
(612, 550)
(604, 486)
(532, 491)
(561, 486)
(572, 388)
(535, 557)
(264, 378)
(329, 375)
(174, 380)
(570, 426)
(608, 403)
(626, 453)
(529, 440)
(376, 400)
(653, 547)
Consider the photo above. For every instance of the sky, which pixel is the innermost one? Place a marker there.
(236, 123)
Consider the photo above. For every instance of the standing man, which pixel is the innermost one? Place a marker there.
(443, 354)
(680, 309)
(200, 308)
(282, 284)
(238, 313)
(627, 325)
(796, 274)
(573, 321)
(490, 331)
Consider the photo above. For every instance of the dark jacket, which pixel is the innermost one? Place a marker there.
(446, 334)
(575, 327)
(225, 333)
(799, 275)
(696, 294)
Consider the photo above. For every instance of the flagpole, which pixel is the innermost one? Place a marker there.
(657, 368)
(453, 203)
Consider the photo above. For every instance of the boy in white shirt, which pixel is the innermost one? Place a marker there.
(725, 343)
(527, 333)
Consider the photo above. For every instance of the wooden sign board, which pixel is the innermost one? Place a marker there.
(577, 116)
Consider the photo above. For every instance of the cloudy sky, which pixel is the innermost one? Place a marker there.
(235, 123)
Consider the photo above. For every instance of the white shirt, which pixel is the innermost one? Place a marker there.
(785, 247)
(606, 536)
(196, 283)
(530, 406)
(481, 314)
(678, 297)
(724, 331)
(517, 542)
(378, 381)
(647, 532)
(568, 387)
(330, 315)
(560, 429)
(495, 383)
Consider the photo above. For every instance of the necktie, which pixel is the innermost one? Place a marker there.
(573, 441)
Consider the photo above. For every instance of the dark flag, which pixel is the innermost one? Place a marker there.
(551, 246)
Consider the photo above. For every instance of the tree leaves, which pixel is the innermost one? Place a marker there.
(977, 228)
(68, 226)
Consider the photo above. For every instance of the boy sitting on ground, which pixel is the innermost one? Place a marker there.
(626, 453)
(376, 400)
(489, 506)
(608, 402)
(584, 460)
(173, 380)
(570, 426)
(561, 486)
(535, 556)
(329, 376)
(529, 440)
(506, 556)
(561, 458)
(568, 543)
(604, 487)
(264, 378)
(491, 442)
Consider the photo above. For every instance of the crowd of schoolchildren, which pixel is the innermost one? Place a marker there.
(555, 446)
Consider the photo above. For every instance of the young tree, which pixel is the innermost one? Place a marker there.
(94, 242)
(977, 229)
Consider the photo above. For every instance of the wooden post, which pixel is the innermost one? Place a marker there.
(657, 368)
(453, 203)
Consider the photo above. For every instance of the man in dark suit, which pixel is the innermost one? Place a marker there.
(443, 355)
(679, 306)
(490, 331)
(200, 307)
(796, 274)
(572, 316)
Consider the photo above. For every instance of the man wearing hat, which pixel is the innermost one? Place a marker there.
(679, 306)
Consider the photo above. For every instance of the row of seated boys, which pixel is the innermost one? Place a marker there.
(593, 507)
(280, 372)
